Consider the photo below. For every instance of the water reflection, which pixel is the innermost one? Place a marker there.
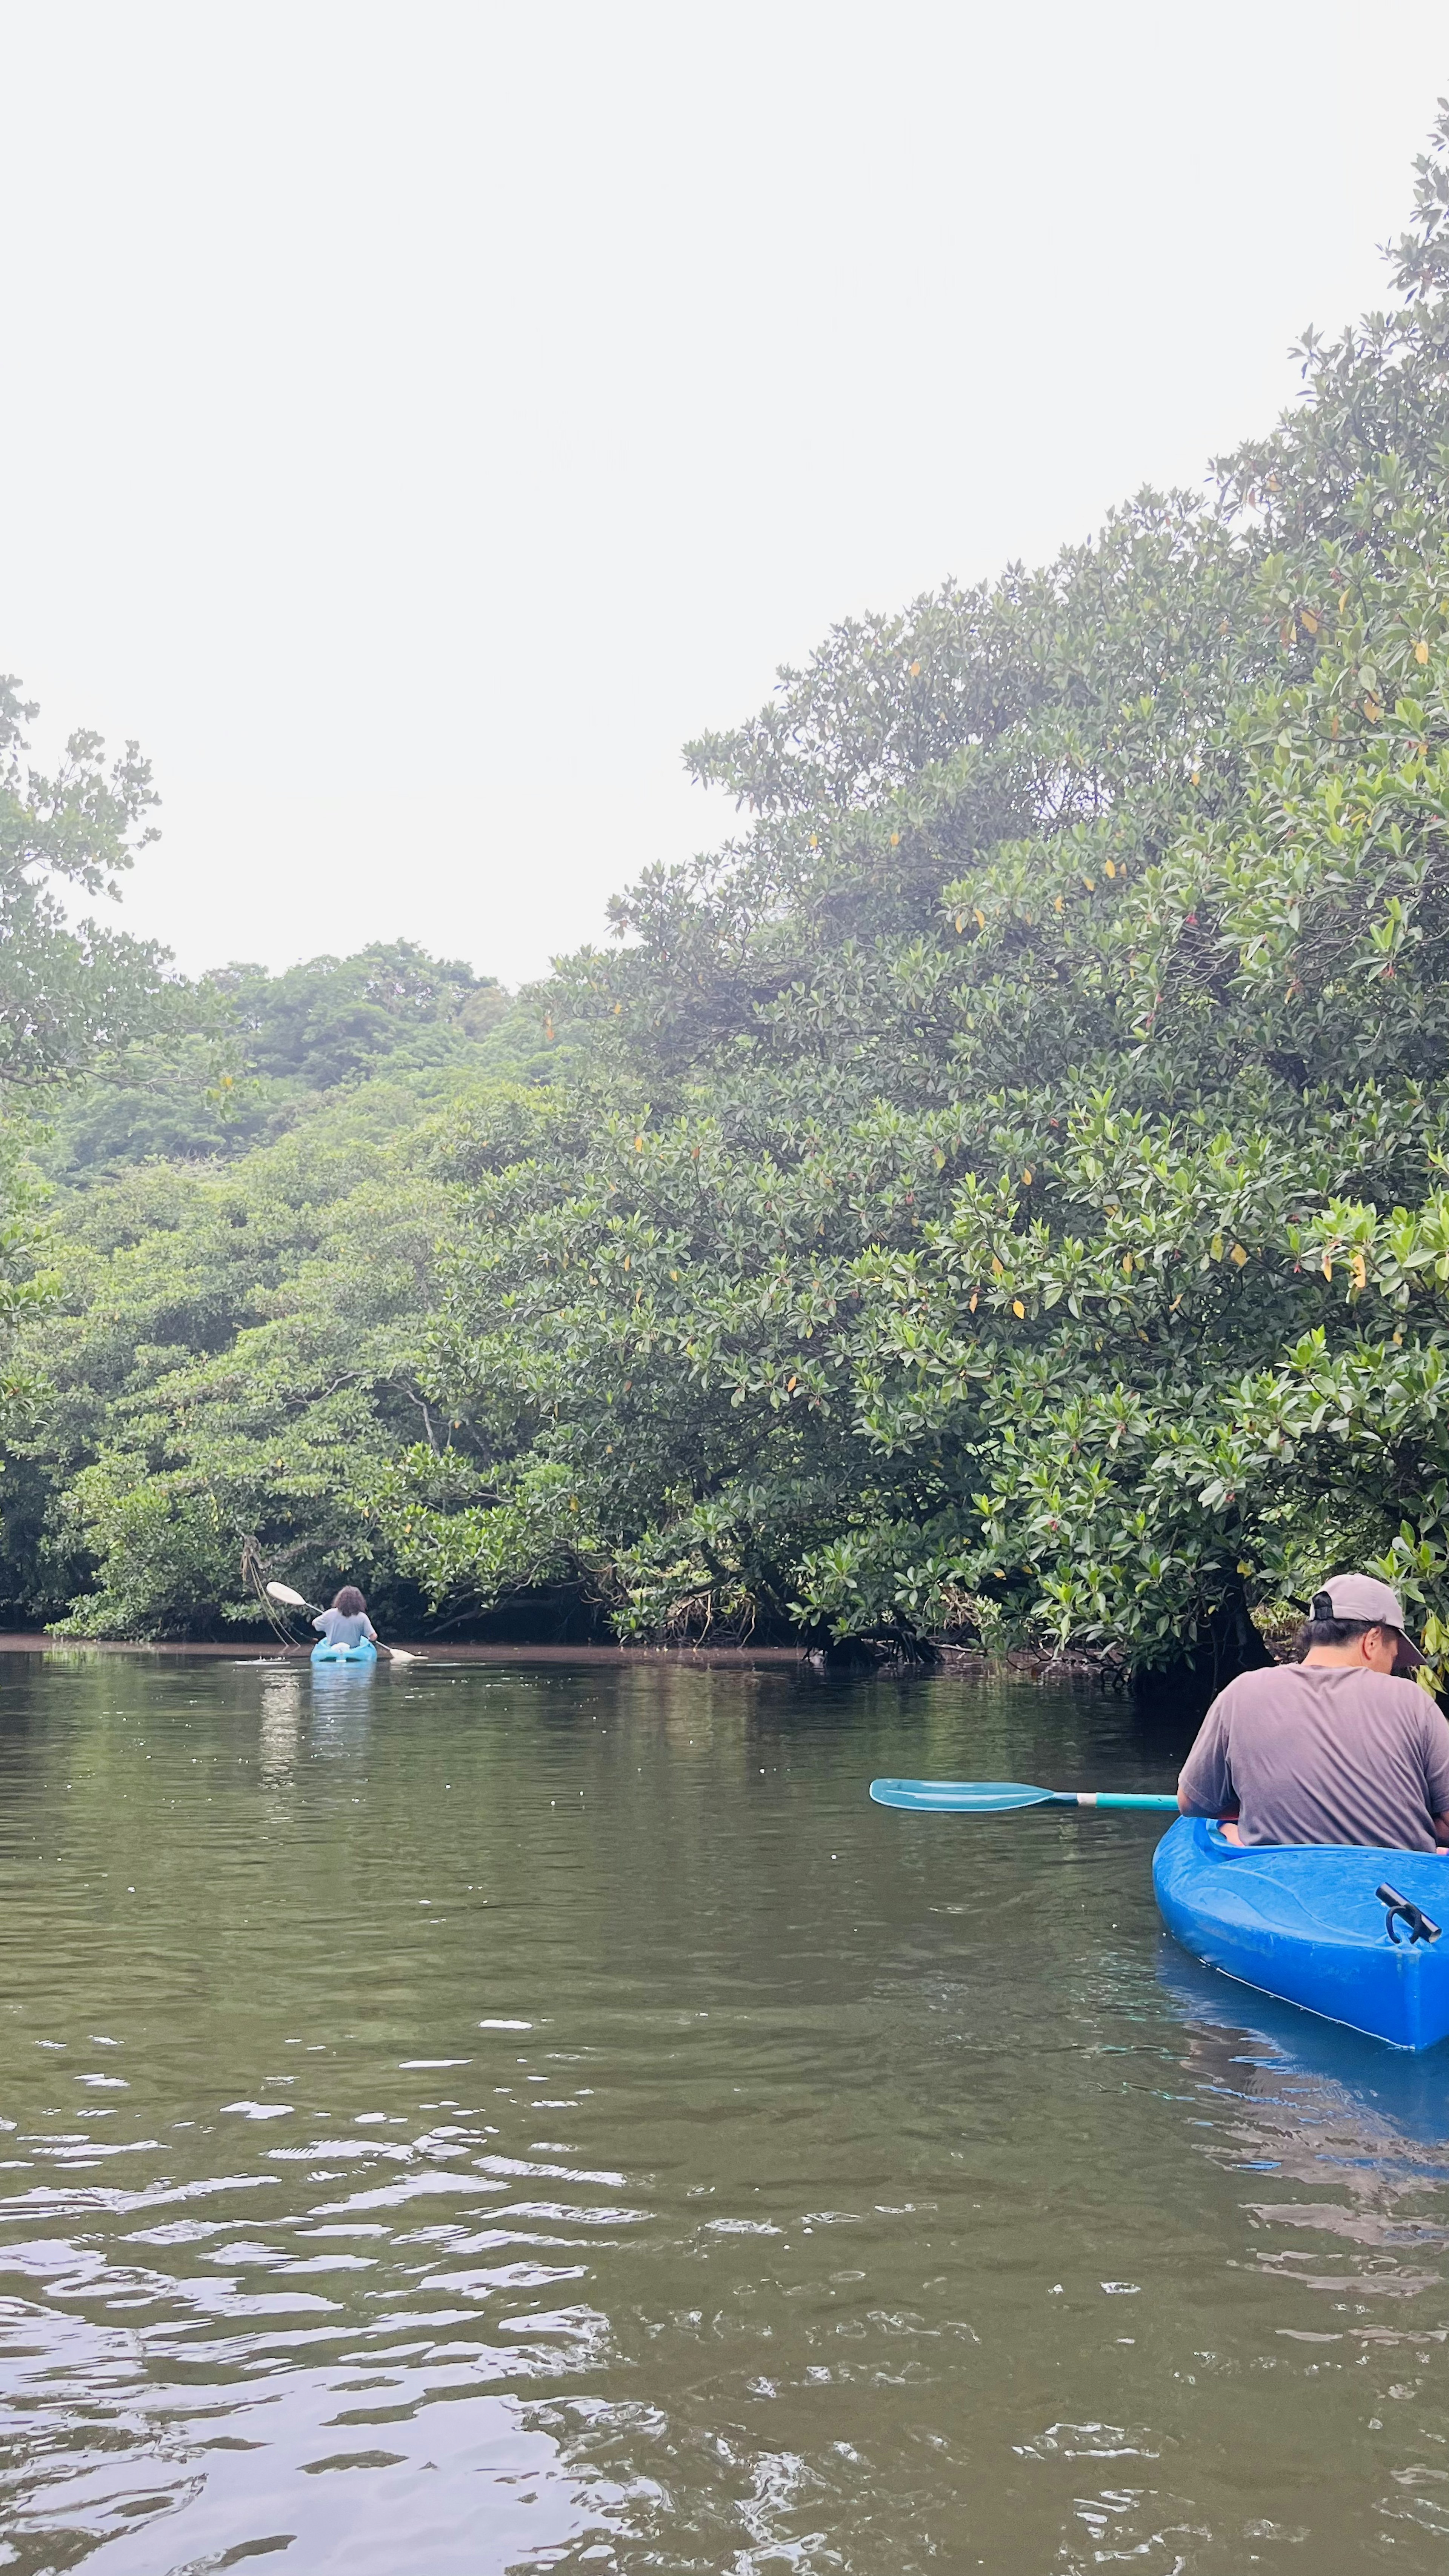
(550, 2119)
(281, 1728)
(340, 1700)
(1299, 2063)
(1355, 2137)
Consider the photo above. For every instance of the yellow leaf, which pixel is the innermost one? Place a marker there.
(1238, 1255)
(1111, 867)
(790, 1385)
(674, 1274)
(971, 1303)
(980, 918)
(960, 921)
(1017, 1307)
(1372, 710)
(1243, 1566)
(997, 1267)
(638, 1144)
(895, 840)
(1216, 1247)
(1091, 884)
(915, 670)
(628, 1260)
(1310, 622)
(1127, 1265)
(1328, 1265)
(1342, 601)
(573, 1507)
(1360, 1271)
(618, 1007)
(1058, 905)
(1421, 652)
(1026, 1180)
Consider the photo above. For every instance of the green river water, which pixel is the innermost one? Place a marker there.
(543, 2117)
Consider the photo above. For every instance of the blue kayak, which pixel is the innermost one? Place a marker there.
(1305, 1921)
(364, 1652)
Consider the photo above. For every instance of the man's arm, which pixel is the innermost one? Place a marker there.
(1436, 1771)
(1205, 1784)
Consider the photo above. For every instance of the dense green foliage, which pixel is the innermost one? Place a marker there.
(247, 1052)
(67, 989)
(223, 1339)
(1004, 1195)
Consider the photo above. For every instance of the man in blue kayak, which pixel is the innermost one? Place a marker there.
(1340, 1747)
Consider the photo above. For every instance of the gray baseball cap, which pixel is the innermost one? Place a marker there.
(1362, 1596)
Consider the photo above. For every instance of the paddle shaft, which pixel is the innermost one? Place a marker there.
(1111, 1798)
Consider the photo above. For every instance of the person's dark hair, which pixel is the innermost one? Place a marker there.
(1320, 1628)
(349, 1601)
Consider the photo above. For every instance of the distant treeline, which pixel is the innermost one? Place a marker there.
(1002, 1197)
(240, 1055)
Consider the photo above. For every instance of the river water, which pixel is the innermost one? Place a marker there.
(493, 2118)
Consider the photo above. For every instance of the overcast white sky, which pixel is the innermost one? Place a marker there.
(422, 418)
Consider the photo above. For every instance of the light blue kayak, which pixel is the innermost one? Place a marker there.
(364, 1652)
(1346, 1930)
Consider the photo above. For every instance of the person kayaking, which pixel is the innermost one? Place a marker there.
(1340, 1747)
(347, 1622)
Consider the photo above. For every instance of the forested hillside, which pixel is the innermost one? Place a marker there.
(1004, 1196)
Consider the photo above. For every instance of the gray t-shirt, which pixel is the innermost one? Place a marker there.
(1322, 1753)
(349, 1631)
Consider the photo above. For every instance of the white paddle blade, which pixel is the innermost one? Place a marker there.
(283, 1592)
(958, 1797)
(400, 1655)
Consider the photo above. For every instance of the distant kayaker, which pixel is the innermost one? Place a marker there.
(347, 1622)
(1340, 1747)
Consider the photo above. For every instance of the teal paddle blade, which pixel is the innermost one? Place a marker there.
(960, 1797)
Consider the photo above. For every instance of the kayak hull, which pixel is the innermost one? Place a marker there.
(1302, 1921)
(362, 1653)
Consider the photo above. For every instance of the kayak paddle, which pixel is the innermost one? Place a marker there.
(291, 1600)
(993, 1797)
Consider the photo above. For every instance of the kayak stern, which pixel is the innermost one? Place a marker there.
(1304, 1921)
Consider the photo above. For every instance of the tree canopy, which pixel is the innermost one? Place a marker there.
(1011, 1194)
(1002, 1196)
(66, 989)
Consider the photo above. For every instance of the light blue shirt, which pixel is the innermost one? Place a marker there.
(339, 1631)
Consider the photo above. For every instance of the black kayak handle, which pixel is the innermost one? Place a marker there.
(1420, 1925)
